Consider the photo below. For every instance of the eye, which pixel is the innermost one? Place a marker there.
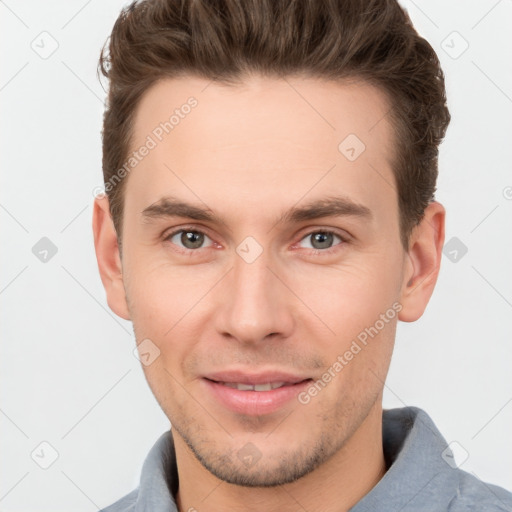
(321, 241)
(189, 239)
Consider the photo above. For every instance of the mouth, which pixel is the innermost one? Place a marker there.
(254, 395)
(267, 386)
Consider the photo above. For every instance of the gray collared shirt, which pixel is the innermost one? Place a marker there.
(422, 475)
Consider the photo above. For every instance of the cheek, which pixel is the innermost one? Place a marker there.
(347, 298)
(161, 294)
(165, 302)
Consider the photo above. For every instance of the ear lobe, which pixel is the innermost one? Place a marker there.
(424, 260)
(108, 257)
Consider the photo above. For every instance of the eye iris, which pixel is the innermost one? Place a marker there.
(192, 239)
(324, 239)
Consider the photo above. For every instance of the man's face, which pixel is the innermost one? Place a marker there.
(252, 290)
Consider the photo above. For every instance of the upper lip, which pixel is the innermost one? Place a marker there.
(245, 377)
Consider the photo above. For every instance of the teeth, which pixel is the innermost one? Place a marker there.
(254, 387)
(244, 387)
(263, 387)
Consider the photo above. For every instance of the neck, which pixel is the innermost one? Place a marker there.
(335, 486)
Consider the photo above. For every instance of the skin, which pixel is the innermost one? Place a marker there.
(250, 153)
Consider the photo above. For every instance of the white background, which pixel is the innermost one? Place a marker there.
(68, 373)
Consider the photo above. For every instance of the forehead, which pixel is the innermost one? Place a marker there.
(249, 143)
(307, 108)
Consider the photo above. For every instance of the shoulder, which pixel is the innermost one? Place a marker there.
(125, 504)
(475, 494)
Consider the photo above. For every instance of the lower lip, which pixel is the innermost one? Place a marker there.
(255, 403)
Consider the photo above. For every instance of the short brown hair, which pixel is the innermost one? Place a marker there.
(225, 40)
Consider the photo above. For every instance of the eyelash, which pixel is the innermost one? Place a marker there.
(315, 252)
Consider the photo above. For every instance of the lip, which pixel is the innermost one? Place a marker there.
(255, 403)
(255, 378)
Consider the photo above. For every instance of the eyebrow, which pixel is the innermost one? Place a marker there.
(172, 207)
(331, 206)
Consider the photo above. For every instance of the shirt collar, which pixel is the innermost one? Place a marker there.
(416, 454)
(420, 464)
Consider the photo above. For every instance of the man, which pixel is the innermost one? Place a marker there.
(270, 170)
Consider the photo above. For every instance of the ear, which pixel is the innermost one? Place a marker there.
(108, 257)
(422, 263)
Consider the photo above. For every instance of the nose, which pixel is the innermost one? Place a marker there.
(254, 302)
